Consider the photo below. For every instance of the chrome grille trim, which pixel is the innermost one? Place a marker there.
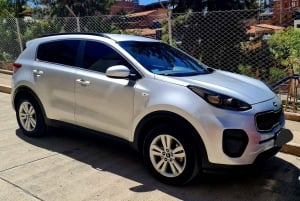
(266, 121)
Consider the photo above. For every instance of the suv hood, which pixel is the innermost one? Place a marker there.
(238, 86)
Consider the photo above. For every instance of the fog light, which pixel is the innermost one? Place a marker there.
(234, 142)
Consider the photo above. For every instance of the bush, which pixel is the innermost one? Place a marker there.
(9, 48)
(285, 46)
(38, 28)
(276, 74)
(245, 70)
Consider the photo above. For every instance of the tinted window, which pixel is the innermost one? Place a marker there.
(160, 58)
(62, 52)
(99, 57)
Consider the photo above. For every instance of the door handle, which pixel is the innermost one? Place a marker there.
(83, 82)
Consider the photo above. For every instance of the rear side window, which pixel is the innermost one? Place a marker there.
(62, 52)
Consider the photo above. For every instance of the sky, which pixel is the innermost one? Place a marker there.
(142, 2)
(145, 2)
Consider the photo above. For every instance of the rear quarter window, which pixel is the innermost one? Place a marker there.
(61, 52)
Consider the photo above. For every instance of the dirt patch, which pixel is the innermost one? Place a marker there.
(6, 66)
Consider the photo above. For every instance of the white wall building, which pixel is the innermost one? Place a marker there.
(263, 3)
(297, 24)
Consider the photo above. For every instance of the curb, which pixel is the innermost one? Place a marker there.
(292, 116)
(291, 148)
(5, 89)
(8, 72)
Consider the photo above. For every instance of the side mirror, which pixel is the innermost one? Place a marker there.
(118, 71)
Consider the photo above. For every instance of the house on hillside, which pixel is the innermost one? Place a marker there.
(147, 19)
(257, 33)
(284, 11)
(260, 29)
(125, 6)
(279, 12)
(146, 23)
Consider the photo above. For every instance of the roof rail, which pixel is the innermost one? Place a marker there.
(73, 33)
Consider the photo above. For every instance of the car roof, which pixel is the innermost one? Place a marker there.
(90, 35)
(124, 37)
(115, 37)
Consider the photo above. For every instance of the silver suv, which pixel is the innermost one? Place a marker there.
(180, 114)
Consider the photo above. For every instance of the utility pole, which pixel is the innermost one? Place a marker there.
(77, 18)
(280, 12)
(170, 11)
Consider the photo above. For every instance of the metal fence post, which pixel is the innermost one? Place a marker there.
(19, 34)
(170, 26)
(280, 13)
(78, 24)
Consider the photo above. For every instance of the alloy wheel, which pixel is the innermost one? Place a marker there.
(167, 155)
(27, 116)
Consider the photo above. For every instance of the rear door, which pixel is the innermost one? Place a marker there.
(54, 75)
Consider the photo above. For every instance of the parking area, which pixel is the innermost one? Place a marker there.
(67, 165)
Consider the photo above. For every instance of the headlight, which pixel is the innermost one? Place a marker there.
(220, 100)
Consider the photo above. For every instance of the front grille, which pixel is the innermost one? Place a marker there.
(266, 121)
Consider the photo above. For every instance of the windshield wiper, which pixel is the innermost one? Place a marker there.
(180, 74)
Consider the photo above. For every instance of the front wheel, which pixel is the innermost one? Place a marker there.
(170, 155)
(30, 117)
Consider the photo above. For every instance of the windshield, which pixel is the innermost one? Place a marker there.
(160, 58)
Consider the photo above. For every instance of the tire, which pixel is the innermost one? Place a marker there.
(30, 117)
(170, 155)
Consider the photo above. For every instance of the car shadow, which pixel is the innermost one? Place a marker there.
(276, 179)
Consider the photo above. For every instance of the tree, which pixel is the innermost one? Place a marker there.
(12, 8)
(212, 5)
(19, 7)
(182, 5)
(7, 37)
(79, 8)
(5, 8)
(213, 37)
(259, 61)
(285, 46)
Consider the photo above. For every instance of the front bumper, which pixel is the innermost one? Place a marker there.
(252, 142)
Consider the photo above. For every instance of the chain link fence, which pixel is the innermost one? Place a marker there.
(235, 41)
(227, 40)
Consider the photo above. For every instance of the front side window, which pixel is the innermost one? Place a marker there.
(61, 52)
(99, 57)
(160, 58)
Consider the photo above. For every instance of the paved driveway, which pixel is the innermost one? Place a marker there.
(73, 166)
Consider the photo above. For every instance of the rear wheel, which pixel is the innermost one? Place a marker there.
(30, 117)
(170, 155)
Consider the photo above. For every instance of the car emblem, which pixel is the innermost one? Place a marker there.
(275, 104)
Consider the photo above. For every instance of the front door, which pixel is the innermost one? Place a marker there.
(102, 103)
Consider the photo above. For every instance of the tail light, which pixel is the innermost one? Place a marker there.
(16, 66)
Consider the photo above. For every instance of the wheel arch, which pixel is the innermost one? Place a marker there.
(166, 117)
(27, 92)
